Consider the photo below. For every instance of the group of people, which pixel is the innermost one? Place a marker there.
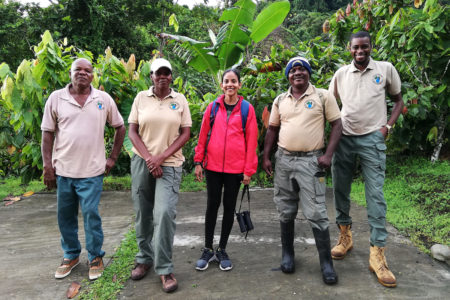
(159, 125)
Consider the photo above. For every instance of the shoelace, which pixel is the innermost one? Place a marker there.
(168, 277)
(222, 255)
(205, 254)
(95, 263)
(383, 266)
(343, 240)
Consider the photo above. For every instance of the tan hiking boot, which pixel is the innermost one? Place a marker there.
(96, 268)
(66, 267)
(344, 244)
(378, 265)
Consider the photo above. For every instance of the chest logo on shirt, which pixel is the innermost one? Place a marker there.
(100, 105)
(309, 104)
(174, 105)
(378, 79)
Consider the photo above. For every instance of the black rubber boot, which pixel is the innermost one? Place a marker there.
(326, 263)
(287, 247)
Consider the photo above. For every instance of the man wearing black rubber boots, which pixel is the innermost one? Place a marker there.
(297, 124)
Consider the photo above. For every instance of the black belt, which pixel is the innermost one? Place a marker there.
(300, 153)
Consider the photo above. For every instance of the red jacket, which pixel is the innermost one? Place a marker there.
(228, 150)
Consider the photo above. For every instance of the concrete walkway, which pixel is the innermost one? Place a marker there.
(30, 252)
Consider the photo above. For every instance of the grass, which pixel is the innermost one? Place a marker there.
(417, 193)
(115, 274)
(12, 187)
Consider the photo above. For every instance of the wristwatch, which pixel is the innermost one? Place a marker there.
(389, 127)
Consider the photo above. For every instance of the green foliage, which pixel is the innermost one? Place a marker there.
(33, 81)
(197, 106)
(12, 26)
(228, 48)
(317, 5)
(418, 198)
(190, 184)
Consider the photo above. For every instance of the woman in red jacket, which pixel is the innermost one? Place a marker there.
(226, 149)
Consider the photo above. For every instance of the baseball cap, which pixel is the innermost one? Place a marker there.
(160, 63)
(295, 62)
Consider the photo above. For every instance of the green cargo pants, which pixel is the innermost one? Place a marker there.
(371, 150)
(154, 202)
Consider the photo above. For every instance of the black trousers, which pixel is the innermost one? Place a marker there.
(230, 183)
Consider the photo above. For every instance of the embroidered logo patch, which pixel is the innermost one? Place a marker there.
(100, 105)
(309, 104)
(174, 105)
(378, 79)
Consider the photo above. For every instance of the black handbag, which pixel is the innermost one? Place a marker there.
(243, 218)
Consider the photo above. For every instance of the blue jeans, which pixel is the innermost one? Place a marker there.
(70, 193)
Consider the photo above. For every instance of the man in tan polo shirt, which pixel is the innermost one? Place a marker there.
(361, 87)
(297, 124)
(73, 152)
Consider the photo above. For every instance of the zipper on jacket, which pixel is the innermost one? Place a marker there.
(226, 132)
(225, 143)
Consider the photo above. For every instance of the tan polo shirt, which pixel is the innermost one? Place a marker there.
(79, 148)
(363, 95)
(302, 121)
(160, 121)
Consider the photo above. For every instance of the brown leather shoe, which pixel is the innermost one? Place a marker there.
(96, 268)
(140, 270)
(66, 267)
(169, 283)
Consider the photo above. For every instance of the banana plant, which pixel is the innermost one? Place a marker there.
(227, 49)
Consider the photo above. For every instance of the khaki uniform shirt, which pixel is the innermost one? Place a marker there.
(302, 121)
(79, 148)
(363, 95)
(159, 122)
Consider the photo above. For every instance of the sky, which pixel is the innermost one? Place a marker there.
(190, 3)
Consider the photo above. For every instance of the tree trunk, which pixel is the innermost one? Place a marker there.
(440, 138)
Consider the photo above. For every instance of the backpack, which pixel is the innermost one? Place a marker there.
(244, 114)
(212, 117)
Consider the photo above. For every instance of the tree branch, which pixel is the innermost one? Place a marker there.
(445, 71)
(411, 71)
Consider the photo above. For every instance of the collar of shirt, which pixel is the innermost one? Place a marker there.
(68, 97)
(308, 92)
(151, 93)
(370, 66)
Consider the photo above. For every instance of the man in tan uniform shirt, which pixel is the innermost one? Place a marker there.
(361, 87)
(73, 152)
(297, 123)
